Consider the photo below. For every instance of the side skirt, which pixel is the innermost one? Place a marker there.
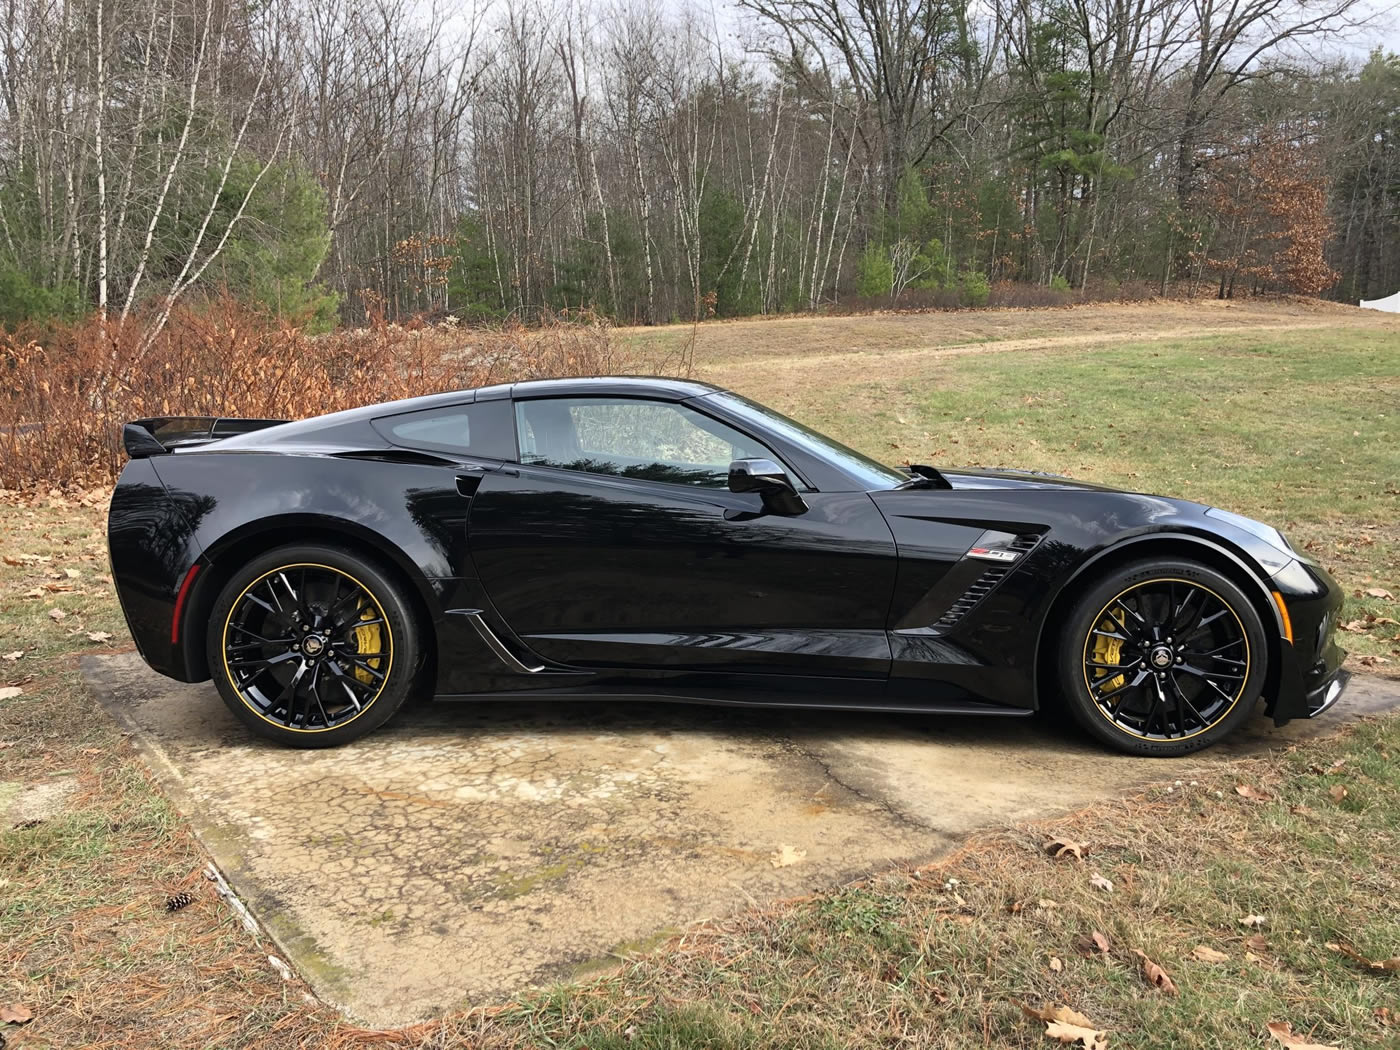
(828, 703)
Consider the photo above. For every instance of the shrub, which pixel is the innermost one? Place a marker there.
(976, 289)
(1059, 283)
(65, 396)
(874, 273)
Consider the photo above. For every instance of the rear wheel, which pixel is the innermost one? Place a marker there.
(313, 646)
(1163, 658)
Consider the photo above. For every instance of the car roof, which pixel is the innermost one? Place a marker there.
(614, 386)
(316, 427)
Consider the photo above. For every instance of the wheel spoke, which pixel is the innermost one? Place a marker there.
(1121, 689)
(1113, 667)
(364, 666)
(1199, 672)
(258, 645)
(1181, 700)
(315, 689)
(1110, 634)
(270, 661)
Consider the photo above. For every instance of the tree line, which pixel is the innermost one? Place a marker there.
(352, 159)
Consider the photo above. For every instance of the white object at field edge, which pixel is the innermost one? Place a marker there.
(1390, 304)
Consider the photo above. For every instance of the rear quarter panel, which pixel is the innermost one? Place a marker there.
(223, 507)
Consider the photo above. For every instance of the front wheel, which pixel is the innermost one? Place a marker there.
(1163, 658)
(313, 646)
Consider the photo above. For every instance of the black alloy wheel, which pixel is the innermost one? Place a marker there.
(1163, 658)
(313, 646)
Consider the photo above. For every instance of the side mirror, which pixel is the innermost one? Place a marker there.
(770, 481)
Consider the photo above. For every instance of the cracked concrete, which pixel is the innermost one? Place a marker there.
(466, 852)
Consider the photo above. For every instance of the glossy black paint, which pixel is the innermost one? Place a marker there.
(547, 581)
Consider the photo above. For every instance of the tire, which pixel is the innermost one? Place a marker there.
(313, 645)
(1205, 686)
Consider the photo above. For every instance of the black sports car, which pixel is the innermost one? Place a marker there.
(662, 539)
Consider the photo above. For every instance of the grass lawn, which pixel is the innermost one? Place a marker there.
(1297, 428)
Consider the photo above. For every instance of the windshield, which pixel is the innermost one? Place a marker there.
(871, 475)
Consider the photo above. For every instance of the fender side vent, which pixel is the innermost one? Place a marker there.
(986, 583)
(974, 594)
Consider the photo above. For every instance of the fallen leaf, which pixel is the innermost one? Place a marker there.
(37, 592)
(1076, 1035)
(1257, 943)
(15, 1013)
(1370, 964)
(1253, 920)
(99, 636)
(1352, 626)
(786, 856)
(1045, 904)
(1063, 847)
(1156, 976)
(1283, 1032)
(72, 574)
(1383, 1016)
(16, 655)
(1056, 964)
(1093, 944)
(10, 559)
(1100, 883)
(8, 692)
(1379, 592)
(1208, 955)
(1254, 794)
(1338, 792)
(57, 588)
(1048, 1013)
(57, 614)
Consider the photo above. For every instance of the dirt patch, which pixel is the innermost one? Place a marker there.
(21, 803)
(721, 344)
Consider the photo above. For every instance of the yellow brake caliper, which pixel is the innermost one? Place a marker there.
(369, 642)
(1109, 650)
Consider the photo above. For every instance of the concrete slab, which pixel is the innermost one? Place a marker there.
(466, 852)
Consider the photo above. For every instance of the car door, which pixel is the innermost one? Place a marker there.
(618, 544)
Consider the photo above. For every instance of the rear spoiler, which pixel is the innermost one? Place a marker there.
(156, 437)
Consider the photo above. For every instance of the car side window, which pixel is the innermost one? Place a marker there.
(631, 438)
(480, 429)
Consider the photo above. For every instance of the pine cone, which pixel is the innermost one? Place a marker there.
(180, 900)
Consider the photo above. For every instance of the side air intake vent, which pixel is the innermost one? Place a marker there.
(974, 594)
(986, 583)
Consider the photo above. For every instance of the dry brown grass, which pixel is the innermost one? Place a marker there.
(66, 393)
